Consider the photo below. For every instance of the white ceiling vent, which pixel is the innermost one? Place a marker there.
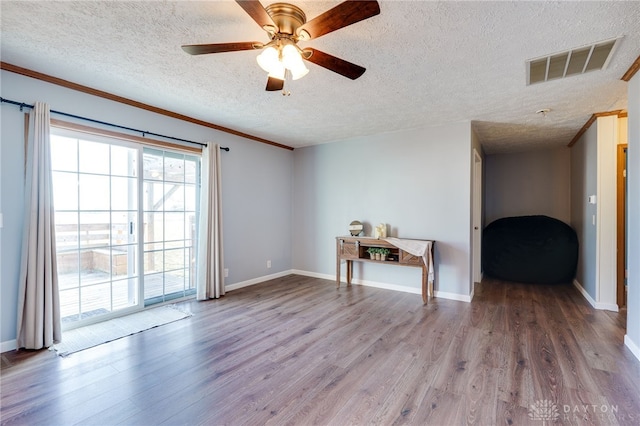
(572, 62)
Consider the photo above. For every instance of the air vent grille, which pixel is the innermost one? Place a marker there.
(572, 62)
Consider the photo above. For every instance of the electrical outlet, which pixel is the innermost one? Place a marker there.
(226, 273)
(268, 264)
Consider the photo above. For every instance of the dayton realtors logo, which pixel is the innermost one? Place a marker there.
(544, 410)
(547, 411)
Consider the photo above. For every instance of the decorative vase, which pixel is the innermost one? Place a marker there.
(382, 230)
(383, 257)
(378, 256)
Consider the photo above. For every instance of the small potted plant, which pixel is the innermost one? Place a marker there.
(372, 252)
(383, 253)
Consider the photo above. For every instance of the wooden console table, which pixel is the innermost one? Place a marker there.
(352, 249)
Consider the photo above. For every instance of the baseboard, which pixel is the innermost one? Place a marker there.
(9, 345)
(607, 307)
(584, 293)
(596, 305)
(314, 274)
(358, 281)
(258, 280)
(635, 350)
(453, 296)
(385, 286)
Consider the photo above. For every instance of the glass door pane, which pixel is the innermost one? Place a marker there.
(169, 209)
(95, 187)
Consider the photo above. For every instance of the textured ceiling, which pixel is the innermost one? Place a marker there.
(428, 64)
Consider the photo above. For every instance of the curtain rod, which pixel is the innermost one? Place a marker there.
(143, 132)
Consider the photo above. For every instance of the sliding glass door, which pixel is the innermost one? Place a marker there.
(125, 225)
(170, 201)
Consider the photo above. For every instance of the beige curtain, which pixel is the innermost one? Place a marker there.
(210, 282)
(38, 299)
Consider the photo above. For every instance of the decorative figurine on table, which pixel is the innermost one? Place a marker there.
(380, 231)
(355, 228)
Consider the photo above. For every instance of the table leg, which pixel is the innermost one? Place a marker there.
(337, 271)
(425, 290)
(349, 271)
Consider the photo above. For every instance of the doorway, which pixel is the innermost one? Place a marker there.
(125, 225)
(476, 232)
(621, 197)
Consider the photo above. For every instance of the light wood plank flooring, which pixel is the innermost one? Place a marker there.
(296, 351)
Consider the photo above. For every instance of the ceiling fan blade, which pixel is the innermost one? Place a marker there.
(201, 49)
(332, 63)
(274, 84)
(342, 15)
(258, 13)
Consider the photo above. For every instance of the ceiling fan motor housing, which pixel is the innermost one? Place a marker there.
(287, 17)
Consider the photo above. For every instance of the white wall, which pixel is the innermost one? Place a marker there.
(632, 339)
(256, 186)
(584, 184)
(529, 183)
(418, 181)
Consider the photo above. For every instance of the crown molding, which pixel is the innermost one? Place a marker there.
(110, 96)
(591, 120)
(633, 69)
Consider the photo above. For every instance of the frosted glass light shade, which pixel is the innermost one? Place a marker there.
(269, 59)
(290, 56)
(293, 61)
(277, 71)
(299, 72)
(276, 64)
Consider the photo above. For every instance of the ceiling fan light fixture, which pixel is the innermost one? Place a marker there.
(278, 72)
(299, 72)
(292, 60)
(269, 59)
(275, 60)
(286, 25)
(290, 56)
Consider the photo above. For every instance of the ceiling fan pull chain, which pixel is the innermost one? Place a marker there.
(287, 78)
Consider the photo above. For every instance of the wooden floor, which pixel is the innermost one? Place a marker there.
(296, 351)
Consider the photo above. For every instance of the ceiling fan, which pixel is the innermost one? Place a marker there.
(286, 24)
